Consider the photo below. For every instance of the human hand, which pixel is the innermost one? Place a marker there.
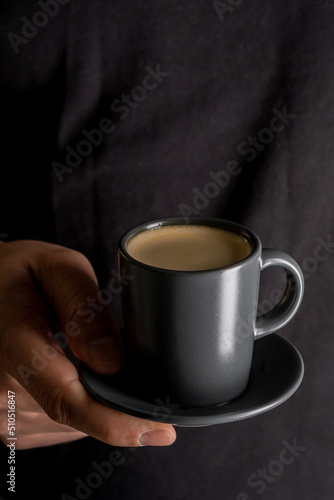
(42, 283)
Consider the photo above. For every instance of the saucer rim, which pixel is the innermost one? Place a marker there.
(201, 416)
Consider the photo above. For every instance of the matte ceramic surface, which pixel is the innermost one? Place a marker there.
(191, 333)
(276, 373)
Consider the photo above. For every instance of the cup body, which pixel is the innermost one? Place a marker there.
(189, 334)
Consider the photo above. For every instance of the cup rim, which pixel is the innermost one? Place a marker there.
(193, 220)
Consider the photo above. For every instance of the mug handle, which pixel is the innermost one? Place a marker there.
(287, 307)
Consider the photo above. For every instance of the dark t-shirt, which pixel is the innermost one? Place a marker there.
(114, 113)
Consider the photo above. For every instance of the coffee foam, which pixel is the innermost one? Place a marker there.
(188, 247)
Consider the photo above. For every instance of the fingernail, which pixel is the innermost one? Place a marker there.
(156, 438)
(105, 351)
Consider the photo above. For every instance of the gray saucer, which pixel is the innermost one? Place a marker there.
(276, 373)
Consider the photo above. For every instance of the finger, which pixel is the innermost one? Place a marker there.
(42, 440)
(27, 423)
(23, 400)
(70, 285)
(56, 387)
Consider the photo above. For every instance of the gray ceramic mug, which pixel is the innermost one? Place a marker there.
(189, 334)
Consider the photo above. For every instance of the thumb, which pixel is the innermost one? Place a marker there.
(70, 284)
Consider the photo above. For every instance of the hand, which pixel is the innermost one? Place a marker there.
(42, 283)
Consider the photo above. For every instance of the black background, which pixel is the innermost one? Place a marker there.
(225, 78)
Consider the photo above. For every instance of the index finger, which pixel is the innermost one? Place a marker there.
(55, 385)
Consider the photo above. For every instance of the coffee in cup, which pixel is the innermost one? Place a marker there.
(189, 247)
(190, 309)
